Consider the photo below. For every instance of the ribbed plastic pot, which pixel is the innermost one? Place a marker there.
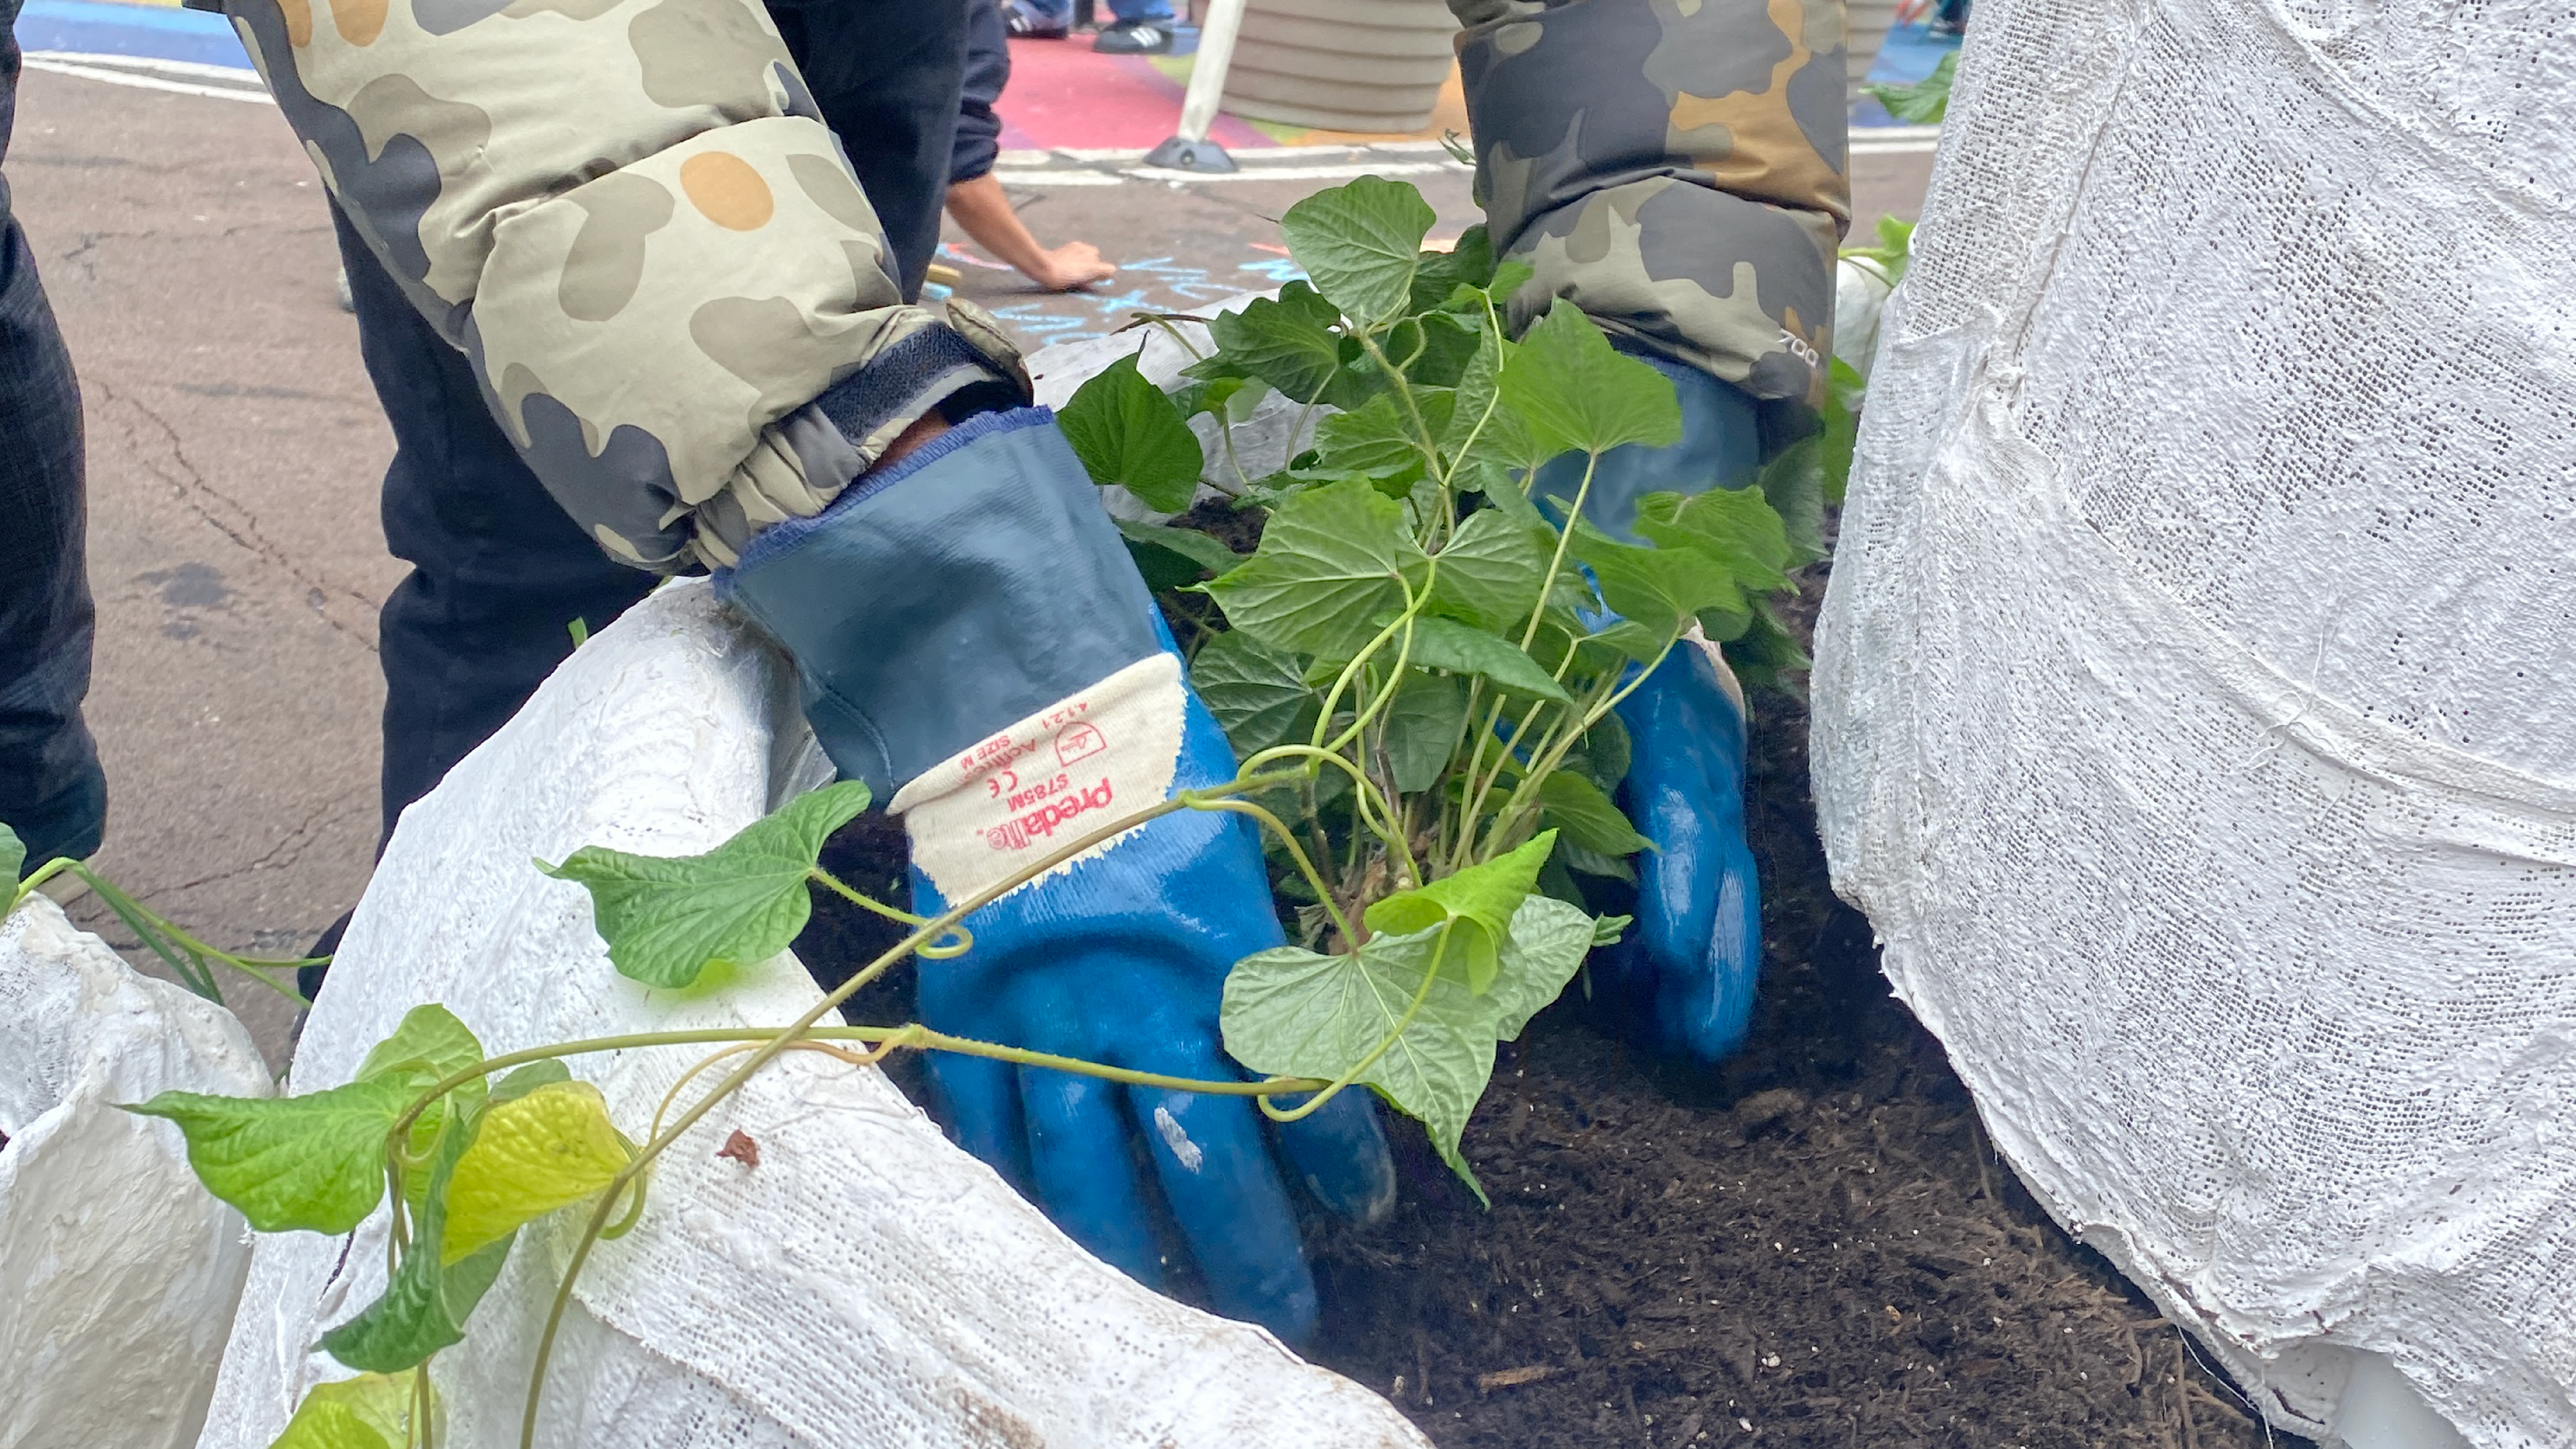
(1865, 27)
(1342, 65)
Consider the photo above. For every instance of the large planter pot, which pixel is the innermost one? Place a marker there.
(1344, 65)
(1865, 27)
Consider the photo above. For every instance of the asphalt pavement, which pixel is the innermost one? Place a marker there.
(235, 448)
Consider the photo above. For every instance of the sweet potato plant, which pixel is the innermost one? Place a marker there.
(1417, 664)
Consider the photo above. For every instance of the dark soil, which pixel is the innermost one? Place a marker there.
(1811, 1244)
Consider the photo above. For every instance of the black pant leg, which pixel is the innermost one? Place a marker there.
(499, 571)
(887, 75)
(52, 792)
(987, 73)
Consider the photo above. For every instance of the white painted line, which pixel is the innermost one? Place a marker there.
(1296, 173)
(149, 82)
(1894, 140)
(238, 74)
(1297, 155)
(1067, 176)
(1076, 153)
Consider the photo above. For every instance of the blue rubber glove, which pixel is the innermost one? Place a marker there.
(1682, 979)
(969, 630)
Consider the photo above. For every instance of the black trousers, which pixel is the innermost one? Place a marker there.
(988, 71)
(499, 573)
(52, 792)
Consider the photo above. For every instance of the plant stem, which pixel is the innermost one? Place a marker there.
(960, 940)
(1297, 852)
(38, 877)
(1482, 782)
(1403, 391)
(804, 1025)
(1225, 432)
(1164, 320)
(1546, 763)
(158, 934)
(1332, 699)
(1494, 329)
(1564, 541)
(1368, 805)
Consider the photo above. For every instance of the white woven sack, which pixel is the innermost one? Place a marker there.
(866, 1284)
(2196, 693)
(117, 1273)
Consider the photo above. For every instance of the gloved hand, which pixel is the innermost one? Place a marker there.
(968, 626)
(1682, 978)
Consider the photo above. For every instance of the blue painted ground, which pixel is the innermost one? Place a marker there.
(162, 32)
(1908, 56)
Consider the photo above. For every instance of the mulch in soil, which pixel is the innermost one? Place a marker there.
(1811, 1244)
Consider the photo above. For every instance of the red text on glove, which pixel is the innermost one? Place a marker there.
(1076, 742)
(1040, 823)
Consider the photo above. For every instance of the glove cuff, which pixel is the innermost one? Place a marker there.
(987, 812)
(938, 600)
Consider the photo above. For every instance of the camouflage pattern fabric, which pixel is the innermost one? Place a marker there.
(631, 217)
(1676, 167)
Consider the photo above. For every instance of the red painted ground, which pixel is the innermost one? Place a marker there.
(1065, 94)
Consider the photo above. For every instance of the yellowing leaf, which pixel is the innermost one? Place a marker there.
(531, 1155)
(371, 1411)
(427, 1300)
(429, 1046)
(1477, 902)
(314, 1162)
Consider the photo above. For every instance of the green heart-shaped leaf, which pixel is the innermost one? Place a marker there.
(1126, 432)
(666, 917)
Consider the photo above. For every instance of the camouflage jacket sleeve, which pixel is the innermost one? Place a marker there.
(1676, 167)
(630, 216)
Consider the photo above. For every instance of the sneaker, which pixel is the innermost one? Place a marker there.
(1023, 26)
(1136, 37)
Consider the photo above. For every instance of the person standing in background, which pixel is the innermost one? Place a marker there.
(52, 791)
(975, 195)
(1137, 27)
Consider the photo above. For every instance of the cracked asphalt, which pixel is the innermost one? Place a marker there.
(234, 445)
(235, 448)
